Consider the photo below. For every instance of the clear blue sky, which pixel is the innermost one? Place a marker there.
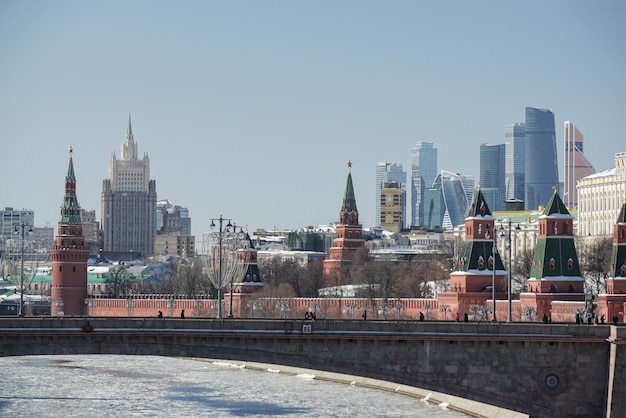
(251, 109)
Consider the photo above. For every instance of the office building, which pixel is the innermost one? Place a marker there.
(515, 160)
(447, 203)
(391, 203)
(423, 173)
(492, 171)
(541, 158)
(173, 235)
(576, 164)
(390, 172)
(129, 202)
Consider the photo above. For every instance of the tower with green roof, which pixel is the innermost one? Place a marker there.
(616, 283)
(69, 254)
(348, 238)
(555, 268)
(473, 275)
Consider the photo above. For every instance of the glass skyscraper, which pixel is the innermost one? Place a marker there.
(423, 173)
(515, 160)
(541, 158)
(446, 203)
(386, 172)
(492, 174)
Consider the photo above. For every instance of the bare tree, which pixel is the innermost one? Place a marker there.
(190, 279)
(522, 266)
(118, 282)
(595, 261)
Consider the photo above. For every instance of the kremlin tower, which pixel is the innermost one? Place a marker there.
(617, 282)
(613, 303)
(473, 274)
(555, 273)
(69, 255)
(348, 239)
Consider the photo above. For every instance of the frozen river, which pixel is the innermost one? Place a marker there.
(109, 385)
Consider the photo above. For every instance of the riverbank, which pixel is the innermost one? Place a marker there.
(466, 406)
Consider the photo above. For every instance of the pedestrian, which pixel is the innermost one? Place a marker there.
(457, 318)
(615, 318)
(421, 316)
(545, 318)
(465, 317)
(160, 314)
(364, 315)
(602, 318)
(578, 319)
(182, 313)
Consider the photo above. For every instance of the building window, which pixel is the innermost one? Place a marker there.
(552, 264)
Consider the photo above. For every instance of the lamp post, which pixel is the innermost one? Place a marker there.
(510, 248)
(16, 231)
(220, 283)
(494, 252)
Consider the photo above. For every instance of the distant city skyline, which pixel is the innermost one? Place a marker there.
(251, 111)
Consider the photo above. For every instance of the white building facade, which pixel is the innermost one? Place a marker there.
(600, 198)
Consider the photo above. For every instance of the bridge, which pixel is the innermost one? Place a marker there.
(542, 370)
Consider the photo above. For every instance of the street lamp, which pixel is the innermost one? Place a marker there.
(494, 252)
(16, 231)
(510, 248)
(220, 283)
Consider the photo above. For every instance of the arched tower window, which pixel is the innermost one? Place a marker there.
(565, 228)
(480, 229)
(554, 228)
(552, 288)
(570, 263)
(481, 263)
(552, 264)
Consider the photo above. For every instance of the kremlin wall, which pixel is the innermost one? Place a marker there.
(555, 290)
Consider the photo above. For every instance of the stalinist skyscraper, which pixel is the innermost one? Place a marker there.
(128, 201)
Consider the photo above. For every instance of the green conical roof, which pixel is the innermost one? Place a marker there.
(555, 206)
(349, 201)
(479, 206)
(70, 209)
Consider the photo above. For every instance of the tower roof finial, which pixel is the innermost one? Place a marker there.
(130, 128)
(349, 166)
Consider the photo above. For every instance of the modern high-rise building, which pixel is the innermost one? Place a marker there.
(515, 160)
(576, 164)
(423, 173)
(492, 170)
(541, 158)
(129, 202)
(387, 172)
(446, 203)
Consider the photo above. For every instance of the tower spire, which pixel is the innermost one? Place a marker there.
(349, 201)
(129, 132)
